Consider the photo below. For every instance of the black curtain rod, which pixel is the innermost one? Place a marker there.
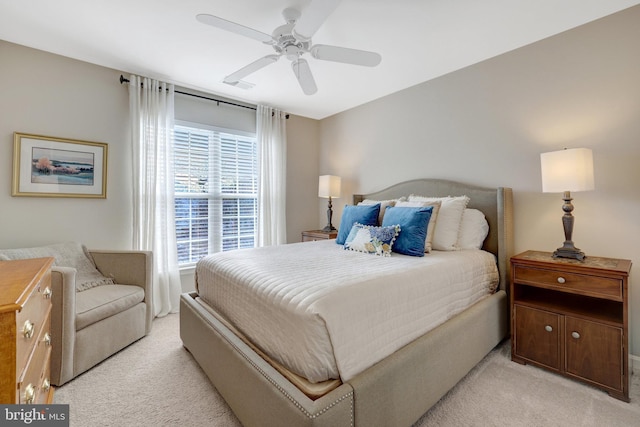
(218, 101)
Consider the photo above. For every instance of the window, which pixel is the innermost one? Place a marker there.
(216, 191)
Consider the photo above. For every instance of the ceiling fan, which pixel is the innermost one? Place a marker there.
(293, 40)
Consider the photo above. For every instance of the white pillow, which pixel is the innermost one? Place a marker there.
(383, 206)
(428, 242)
(447, 228)
(474, 228)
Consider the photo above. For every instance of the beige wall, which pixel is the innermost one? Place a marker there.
(46, 94)
(488, 124)
(51, 95)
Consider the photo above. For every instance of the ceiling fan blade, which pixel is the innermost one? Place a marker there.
(312, 17)
(251, 68)
(241, 84)
(305, 78)
(345, 55)
(223, 24)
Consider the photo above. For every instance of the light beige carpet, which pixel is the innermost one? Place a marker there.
(155, 382)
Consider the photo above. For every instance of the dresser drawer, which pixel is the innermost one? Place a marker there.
(30, 320)
(595, 286)
(35, 379)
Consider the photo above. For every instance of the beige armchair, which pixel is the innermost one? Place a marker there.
(101, 303)
(89, 326)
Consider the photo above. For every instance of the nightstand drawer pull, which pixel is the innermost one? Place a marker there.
(561, 280)
(548, 328)
(47, 293)
(575, 335)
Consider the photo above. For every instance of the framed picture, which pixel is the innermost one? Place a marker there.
(56, 167)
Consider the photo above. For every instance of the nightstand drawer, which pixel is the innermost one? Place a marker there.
(313, 235)
(601, 287)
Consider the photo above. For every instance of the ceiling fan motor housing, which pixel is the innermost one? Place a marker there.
(286, 44)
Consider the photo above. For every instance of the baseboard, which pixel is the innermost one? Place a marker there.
(634, 364)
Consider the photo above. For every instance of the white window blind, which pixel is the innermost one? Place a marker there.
(216, 190)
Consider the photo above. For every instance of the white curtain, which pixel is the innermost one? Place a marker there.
(152, 116)
(272, 158)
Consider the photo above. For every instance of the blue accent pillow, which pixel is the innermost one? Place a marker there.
(413, 225)
(363, 214)
(372, 240)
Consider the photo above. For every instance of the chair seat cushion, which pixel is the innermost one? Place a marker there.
(104, 301)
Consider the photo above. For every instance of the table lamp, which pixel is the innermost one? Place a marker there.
(329, 186)
(565, 171)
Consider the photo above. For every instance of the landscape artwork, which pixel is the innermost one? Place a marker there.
(45, 166)
(51, 166)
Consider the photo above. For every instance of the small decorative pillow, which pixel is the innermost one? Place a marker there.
(371, 239)
(413, 223)
(363, 214)
(445, 236)
(473, 229)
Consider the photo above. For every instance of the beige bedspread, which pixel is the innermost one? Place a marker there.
(324, 312)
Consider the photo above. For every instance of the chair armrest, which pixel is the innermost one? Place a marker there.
(63, 323)
(129, 268)
(125, 267)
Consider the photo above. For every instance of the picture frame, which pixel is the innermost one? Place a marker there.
(45, 166)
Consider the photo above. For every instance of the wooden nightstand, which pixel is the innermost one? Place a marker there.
(571, 317)
(311, 235)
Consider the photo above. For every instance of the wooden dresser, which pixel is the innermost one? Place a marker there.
(25, 340)
(571, 317)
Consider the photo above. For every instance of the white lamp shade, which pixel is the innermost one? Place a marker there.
(329, 186)
(567, 170)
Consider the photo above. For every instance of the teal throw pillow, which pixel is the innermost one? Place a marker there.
(362, 214)
(413, 223)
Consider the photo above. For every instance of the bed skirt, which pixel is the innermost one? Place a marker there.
(395, 391)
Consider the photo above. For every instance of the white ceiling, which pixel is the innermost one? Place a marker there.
(418, 40)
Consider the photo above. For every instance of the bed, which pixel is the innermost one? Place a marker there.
(395, 390)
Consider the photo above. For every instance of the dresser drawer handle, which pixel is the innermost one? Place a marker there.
(29, 394)
(46, 384)
(47, 339)
(548, 328)
(561, 280)
(47, 293)
(28, 329)
(575, 335)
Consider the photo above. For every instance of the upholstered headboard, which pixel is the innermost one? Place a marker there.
(495, 203)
